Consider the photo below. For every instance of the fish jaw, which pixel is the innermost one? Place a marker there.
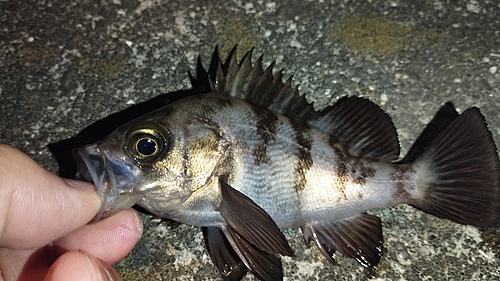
(115, 180)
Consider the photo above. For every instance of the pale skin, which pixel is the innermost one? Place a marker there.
(44, 230)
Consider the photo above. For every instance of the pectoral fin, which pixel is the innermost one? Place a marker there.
(223, 255)
(358, 237)
(263, 265)
(251, 222)
(254, 236)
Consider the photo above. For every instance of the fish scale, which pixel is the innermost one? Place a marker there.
(253, 157)
(269, 188)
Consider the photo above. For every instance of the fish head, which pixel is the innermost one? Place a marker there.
(156, 161)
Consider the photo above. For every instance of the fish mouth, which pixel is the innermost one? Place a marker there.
(115, 180)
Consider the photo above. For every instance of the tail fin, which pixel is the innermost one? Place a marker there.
(459, 173)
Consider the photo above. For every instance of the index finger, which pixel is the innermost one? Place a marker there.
(36, 206)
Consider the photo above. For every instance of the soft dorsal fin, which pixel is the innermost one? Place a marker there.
(354, 121)
(361, 124)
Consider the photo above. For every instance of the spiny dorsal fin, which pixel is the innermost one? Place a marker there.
(202, 80)
(352, 120)
(254, 84)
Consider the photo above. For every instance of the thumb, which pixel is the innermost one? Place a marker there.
(79, 265)
(36, 206)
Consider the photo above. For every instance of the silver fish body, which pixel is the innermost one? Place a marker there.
(244, 166)
(289, 170)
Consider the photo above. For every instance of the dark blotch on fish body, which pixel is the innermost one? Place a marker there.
(266, 128)
(304, 157)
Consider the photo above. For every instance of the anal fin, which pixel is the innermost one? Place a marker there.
(358, 237)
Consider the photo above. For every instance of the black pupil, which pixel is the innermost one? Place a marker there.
(146, 146)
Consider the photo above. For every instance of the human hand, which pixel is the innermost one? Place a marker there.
(43, 226)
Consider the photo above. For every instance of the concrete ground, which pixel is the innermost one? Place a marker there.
(67, 64)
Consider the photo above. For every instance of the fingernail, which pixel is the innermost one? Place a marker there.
(104, 271)
(139, 223)
(112, 274)
(80, 184)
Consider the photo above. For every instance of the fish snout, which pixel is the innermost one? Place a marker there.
(114, 179)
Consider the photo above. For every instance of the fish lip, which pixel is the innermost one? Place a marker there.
(114, 180)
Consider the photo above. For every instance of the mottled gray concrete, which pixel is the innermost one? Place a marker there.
(67, 64)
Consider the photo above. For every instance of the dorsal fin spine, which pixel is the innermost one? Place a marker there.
(245, 68)
(220, 77)
(262, 87)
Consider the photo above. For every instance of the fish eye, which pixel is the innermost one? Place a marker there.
(145, 144)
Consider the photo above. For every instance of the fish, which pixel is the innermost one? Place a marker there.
(252, 157)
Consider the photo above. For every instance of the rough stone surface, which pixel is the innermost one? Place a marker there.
(67, 64)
